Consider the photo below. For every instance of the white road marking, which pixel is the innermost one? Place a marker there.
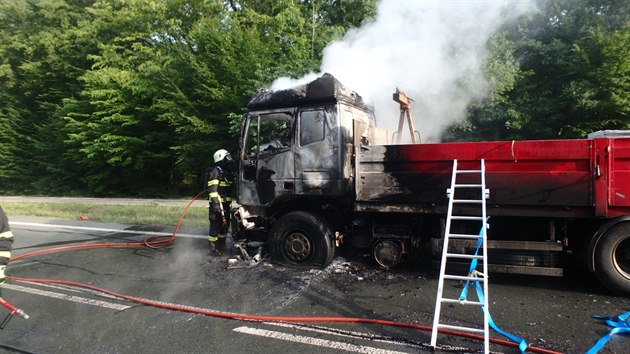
(85, 228)
(74, 289)
(78, 299)
(313, 341)
(96, 293)
(247, 330)
(342, 333)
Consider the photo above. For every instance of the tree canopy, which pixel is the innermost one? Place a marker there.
(131, 97)
(561, 73)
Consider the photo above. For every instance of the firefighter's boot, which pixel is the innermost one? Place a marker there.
(221, 244)
(213, 248)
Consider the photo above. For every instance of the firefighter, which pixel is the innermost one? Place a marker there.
(6, 240)
(220, 183)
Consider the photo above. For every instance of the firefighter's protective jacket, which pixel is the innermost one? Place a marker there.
(220, 183)
(6, 241)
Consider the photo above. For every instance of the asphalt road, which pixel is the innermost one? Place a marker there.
(550, 313)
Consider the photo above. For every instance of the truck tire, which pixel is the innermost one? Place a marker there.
(301, 239)
(612, 258)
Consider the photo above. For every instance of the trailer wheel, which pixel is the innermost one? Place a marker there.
(612, 258)
(301, 239)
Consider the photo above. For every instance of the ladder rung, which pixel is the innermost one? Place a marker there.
(461, 328)
(472, 237)
(466, 256)
(469, 171)
(462, 302)
(462, 277)
(468, 185)
(462, 217)
(469, 201)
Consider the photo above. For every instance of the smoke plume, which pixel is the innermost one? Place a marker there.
(432, 50)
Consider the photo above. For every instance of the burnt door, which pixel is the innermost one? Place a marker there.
(267, 162)
(318, 160)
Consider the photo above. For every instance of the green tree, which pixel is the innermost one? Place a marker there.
(131, 97)
(41, 58)
(162, 91)
(225, 60)
(330, 19)
(14, 45)
(491, 118)
(111, 125)
(572, 75)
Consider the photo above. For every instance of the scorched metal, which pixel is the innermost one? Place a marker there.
(316, 174)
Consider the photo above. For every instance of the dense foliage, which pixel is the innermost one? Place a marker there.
(131, 97)
(562, 73)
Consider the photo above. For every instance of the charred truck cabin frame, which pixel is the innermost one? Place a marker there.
(315, 172)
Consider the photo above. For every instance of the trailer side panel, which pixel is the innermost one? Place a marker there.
(524, 173)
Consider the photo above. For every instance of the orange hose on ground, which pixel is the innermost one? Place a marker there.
(277, 318)
(158, 242)
(153, 242)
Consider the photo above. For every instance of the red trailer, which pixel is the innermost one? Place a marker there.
(547, 198)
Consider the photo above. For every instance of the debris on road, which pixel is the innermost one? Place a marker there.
(249, 254)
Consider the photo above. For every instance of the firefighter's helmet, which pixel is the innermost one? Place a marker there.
(220, 155)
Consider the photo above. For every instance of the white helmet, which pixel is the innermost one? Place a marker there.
(220, 155)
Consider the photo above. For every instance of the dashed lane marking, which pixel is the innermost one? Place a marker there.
(85, 228)
(74, 289)
(78, 299)
(348, 334)
(313, 341)
(246, 330)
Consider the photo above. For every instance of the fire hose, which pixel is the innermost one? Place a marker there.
(13, 311)
(153, 242)
(159, 242)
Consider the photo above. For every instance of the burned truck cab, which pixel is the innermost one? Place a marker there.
(296, 156)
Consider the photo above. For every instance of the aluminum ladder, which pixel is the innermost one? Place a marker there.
(467, 193)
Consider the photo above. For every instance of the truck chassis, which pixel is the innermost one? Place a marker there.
(315, 173)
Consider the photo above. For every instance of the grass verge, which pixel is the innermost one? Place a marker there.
(122, 214)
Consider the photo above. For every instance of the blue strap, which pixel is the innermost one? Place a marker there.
(522, 344)
(622, 325)
(473, 263)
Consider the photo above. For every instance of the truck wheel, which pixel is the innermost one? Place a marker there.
(301, 239)
(612, 259)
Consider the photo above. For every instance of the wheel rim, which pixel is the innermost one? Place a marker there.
(621, 257)
(298, 247)
(387, 253)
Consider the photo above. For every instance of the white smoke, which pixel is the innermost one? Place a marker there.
(432, 50)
